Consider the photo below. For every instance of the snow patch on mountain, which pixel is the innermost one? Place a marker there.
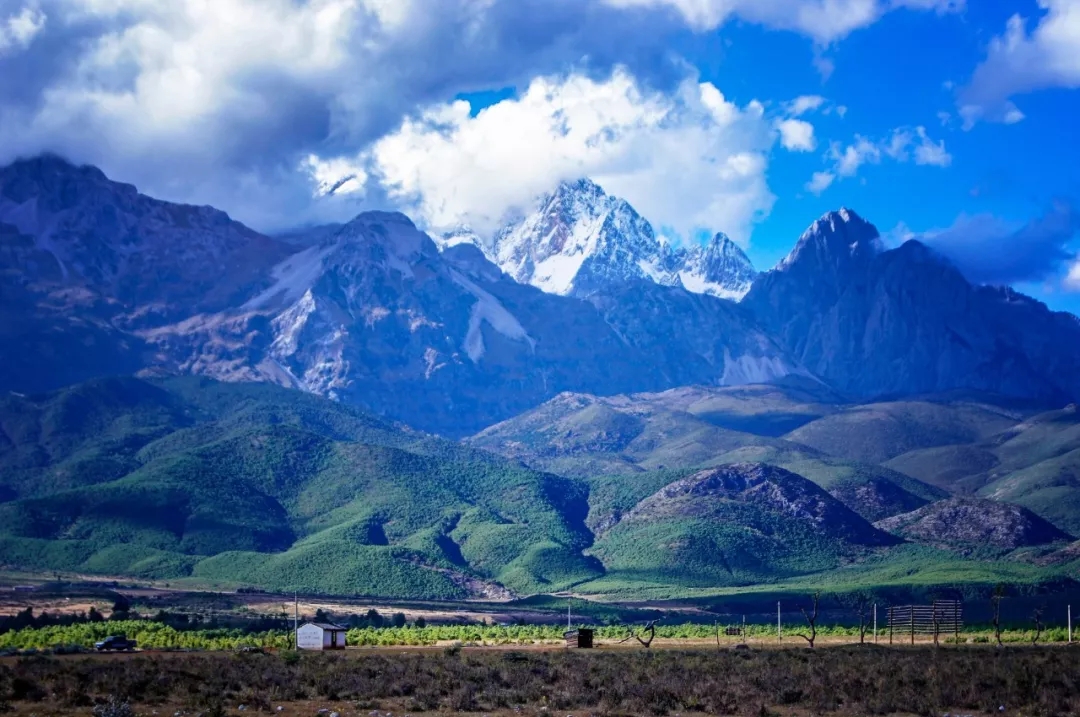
(748, 369)
(293, 277)
(488, 308)
(579, 240)
(719, 268)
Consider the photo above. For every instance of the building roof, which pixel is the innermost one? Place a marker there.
(326, 626)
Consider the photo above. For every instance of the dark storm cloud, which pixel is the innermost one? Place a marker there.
(240, 151)
(990, 251)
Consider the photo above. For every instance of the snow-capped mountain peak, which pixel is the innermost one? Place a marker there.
(837, 238)
(719, 268)
(577, 239)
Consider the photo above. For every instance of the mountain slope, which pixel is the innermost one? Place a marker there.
(581, 435)
(257, 483)
(369, 313)
(578, 240)
(873, 322)
(733, 525)
(379, 317)
(974, 525)
(617, 441)
(876, 432)
(719, 268)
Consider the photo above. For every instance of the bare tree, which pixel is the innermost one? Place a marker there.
(811, 620)
(650, 629)
(998, 596)
(937, 625)
(1037, 619)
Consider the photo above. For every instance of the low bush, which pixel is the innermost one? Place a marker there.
(921, 680)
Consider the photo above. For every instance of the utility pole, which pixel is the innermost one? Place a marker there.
(875, 623)
(568, 614)
(296, 622)
(779, 632)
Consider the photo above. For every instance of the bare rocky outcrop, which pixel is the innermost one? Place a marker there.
(970, 523)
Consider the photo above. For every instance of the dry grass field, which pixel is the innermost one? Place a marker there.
(842, 680)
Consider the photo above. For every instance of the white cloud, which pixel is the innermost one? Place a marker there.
(801, 105)
(18, 30)
(897, 235)
(823, 20)
(1018, 62)
(929, 152)
(820, 181)
(689, 161)
(1072, 280)
(222, 101)
(904, 144)
(847, 160)
(796, 135)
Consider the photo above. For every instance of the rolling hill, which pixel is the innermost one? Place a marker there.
(733, 525)
(244, 483)
(188, 479)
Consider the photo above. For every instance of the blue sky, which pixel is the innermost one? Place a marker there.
(945, 120)
(902, 71)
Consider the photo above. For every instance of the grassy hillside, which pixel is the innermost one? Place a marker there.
(733, 525)
(580, 435)
(651, 435)
(1034, 463)
(245, 483)
(876, 432)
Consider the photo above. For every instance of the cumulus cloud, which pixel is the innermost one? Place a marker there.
(688, 160)
(1072, 279)
(993, 251)
(1020, 61)
(797, 135)
(904, 144)
(820, 181)
(17, 30)
(824, 20)
(220, 102)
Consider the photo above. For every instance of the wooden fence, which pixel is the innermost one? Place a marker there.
(943, 617)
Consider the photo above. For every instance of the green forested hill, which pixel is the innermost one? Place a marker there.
(253, 484)
(257, 483)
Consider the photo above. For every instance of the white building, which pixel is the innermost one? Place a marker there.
(320, 636)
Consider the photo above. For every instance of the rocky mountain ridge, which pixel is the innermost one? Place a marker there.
(578, 241)
(872, 321)
(374, 314)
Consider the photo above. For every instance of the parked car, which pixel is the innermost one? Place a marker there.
(114, 642)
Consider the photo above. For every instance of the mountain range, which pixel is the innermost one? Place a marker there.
(188, 397)
(579, 241)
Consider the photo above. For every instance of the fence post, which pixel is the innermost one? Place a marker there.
(956, 622)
